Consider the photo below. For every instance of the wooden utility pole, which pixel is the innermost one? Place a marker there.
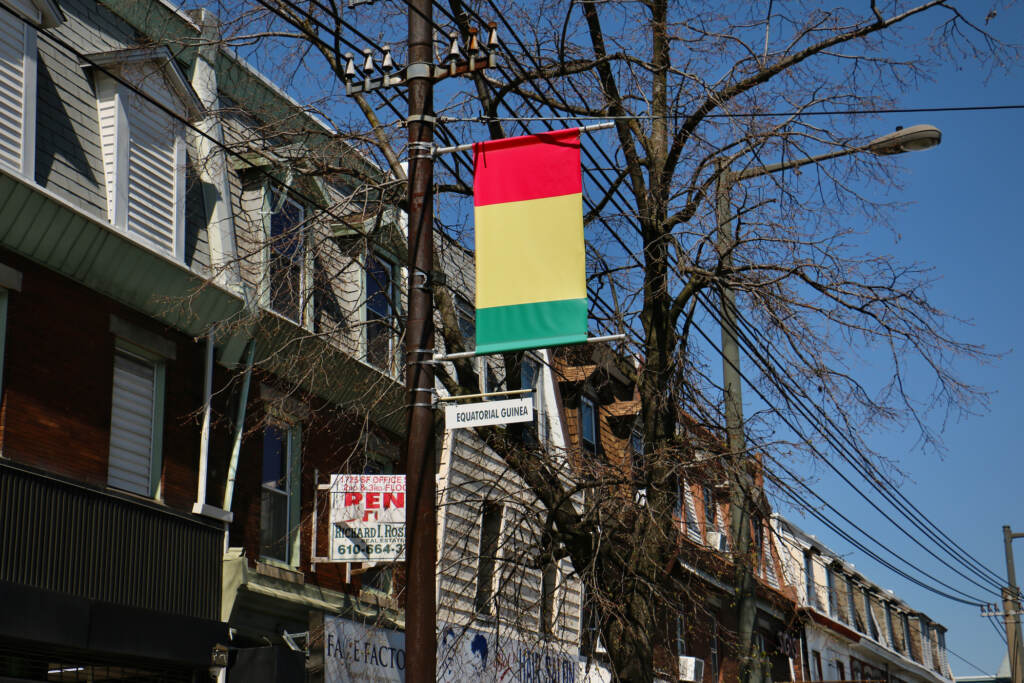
(420, 460)
(1011, 611)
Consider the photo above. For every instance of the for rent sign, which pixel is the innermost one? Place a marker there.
(367, 518)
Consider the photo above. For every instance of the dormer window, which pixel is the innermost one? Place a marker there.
(286, 271)
(141, 98)
(18, 22)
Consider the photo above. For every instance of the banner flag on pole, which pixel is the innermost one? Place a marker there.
(531, 283)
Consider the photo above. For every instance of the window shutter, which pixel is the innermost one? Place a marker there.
(152, 175)
(12, 89)
(131, 425)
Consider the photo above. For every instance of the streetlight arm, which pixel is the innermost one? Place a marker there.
(794, 163)
(912, 139)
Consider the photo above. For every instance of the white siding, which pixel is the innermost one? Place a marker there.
(131, 424)
(12, 89)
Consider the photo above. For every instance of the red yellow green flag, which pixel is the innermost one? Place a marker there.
(531, 288)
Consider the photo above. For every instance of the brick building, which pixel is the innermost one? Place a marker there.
(160, 454)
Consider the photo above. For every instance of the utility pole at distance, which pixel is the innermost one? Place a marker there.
(1011, 611)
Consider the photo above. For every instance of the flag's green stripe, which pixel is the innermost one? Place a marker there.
(531, 326)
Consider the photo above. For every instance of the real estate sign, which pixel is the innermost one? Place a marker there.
(367, 518)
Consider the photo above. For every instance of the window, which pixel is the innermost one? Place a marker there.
(590, 624)
(757, 527)
(279, 493)
(851, 603)
(466, 315)
(809, 577)
(588, 424)
(680, 635)
(18, 84)
(710, 513)
(841, 670)
(906, 635)
(890, 634)
(380, 311)
(831, 588)
(143, 147)
(10, 280)
(871, 626)
(817, 674)
(136, 422)
(490, 529)
(286, 272)
(549, 585)
(529, 378)
(636, 453)
(926, 648)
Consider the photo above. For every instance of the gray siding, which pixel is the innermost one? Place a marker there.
(68, 158)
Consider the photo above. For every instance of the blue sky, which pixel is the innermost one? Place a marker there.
(964, 220)
(961, 218)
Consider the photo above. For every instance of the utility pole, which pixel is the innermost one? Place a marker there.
(421, 538)
(741, 483)
(1011, 611)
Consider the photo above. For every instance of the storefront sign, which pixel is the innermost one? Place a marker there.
(362, 652)
(367, 518)
(489, 413)
(469, 656)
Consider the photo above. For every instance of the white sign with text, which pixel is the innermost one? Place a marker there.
(367, 518)
(489, 413)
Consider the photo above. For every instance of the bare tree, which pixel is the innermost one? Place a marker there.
(695, 91)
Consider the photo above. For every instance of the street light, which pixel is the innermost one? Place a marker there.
(912, 139)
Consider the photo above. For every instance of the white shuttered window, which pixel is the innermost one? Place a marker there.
(143, 152)
(134, 424)
(17, 93)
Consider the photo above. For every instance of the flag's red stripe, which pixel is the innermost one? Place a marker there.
(527, 167)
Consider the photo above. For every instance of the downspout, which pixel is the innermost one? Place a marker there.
(200, 507)
(236, 445)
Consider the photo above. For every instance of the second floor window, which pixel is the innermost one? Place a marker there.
(380, 311)
(279, 493)
(588, 424)
(287, 254)
(710, 515)
(490, 531)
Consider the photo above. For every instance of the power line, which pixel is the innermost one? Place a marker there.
(522, 120)
(969, 663)
(771, 114)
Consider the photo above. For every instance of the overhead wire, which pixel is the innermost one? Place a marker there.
(299, 195)
(521, 119)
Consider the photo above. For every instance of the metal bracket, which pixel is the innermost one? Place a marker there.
(422, 118)
(421, 280)
(421, 150)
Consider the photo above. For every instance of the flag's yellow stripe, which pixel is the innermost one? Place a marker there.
(530, 251)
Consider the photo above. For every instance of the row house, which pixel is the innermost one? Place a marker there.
(601, 410)
(190, 345)
(853, 629)
(505, 611)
